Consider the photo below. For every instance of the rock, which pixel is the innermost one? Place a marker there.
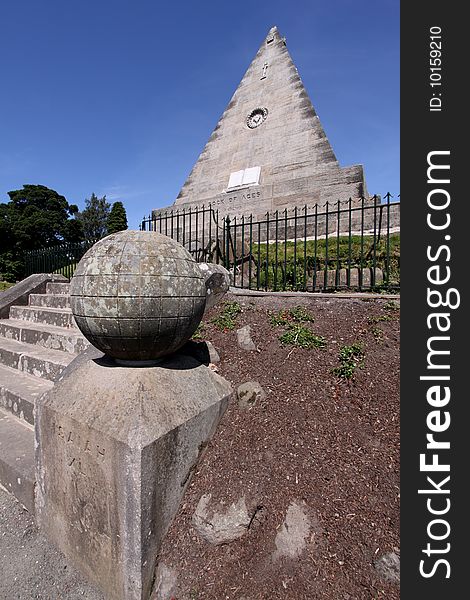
(115, 450)
(213, 354)
(291, 539)
(165, 583)
(249, 394)
(221, 524)
(388, 567)
(217, 280)
(244, 338)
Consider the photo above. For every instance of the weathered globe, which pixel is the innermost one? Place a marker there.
(137, 295)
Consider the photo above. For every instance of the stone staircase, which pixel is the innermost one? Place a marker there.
(37, 342)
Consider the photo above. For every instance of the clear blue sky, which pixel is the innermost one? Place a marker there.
(118, 97)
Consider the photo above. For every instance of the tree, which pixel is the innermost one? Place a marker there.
(36, 217)
(117, 220)
(94, 217)
(40, 217)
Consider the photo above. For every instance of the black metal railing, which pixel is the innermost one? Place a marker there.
(350, 245)
(61, 258)
(198, 229)
(338, 245)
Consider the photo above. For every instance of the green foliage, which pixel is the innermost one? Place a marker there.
(35, 217)
(298, 314)
(378, 319)
(117, 219)
(350, 357)
(377, 333)
(288, 276)
(294, 264)
(4, 285)
(199, 333)
(94, 217)
(278, 319)
(301, 337)
(296, 334)
(301, 315)
(391, 305)
(228, 316)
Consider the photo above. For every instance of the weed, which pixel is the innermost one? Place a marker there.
(299, 336)
(298, 314)
(199, 333)
(378, 319)
(294, 265)
(391, 305)
(278, 319)
(301, 315)
(228, 317)
(377, 333)
(4, 285)
(350, 357)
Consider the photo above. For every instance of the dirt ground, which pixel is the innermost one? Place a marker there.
(325, 444)
(330, 445)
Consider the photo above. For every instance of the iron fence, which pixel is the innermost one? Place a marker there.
(62, 258)
(339, 245)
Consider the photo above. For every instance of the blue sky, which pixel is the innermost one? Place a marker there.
(119, 97)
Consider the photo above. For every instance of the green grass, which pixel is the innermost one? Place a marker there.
(301, 337)
(350, 358)
(293, 261)
(298, 314)
(227, 318)
(379, 319)
(199, 333)
(377, 333)
(301, 315)
(296, 334)
(391, 305)
(4, 285)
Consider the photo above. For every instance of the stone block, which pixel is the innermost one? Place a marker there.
(115, 449)
(20, 292)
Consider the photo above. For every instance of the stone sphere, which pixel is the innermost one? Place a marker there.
(137, 295)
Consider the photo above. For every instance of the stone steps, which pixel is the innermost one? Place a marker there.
(18, 391)
(47, 336)
(37, 342)
(50, 300)
(59, 317)
(53, 287)
(17, 458)
(35, 360)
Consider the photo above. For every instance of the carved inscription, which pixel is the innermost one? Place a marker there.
(77, 448)
(84, 484)
(240, 197)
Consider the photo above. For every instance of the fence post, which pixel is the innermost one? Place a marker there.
(348, 273)
(338, 229)
(227, 242)
(325, 281)
(305, 249)
(387, 252)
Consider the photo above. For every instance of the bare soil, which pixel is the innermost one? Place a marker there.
(317, 439)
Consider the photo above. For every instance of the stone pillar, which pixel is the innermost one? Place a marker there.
(118, 438)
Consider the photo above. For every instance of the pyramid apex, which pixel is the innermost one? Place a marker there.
(272, 32)
(268, 149)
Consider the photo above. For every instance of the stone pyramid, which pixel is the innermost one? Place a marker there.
(268, 151)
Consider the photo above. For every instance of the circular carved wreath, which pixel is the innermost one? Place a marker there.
(256, 117)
